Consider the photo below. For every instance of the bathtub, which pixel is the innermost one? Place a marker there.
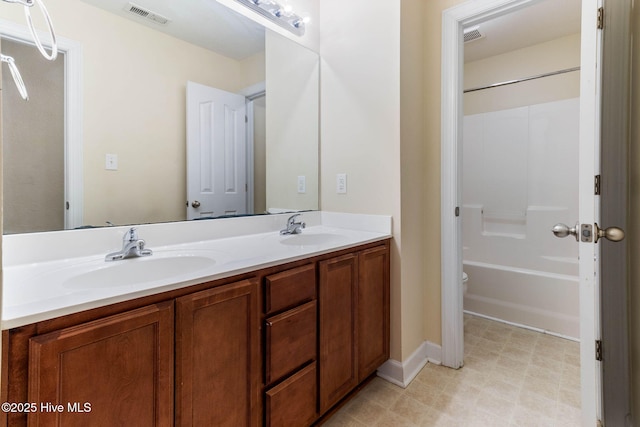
(525, 276)
(537, 299)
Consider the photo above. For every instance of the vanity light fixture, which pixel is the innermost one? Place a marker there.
(13, 68)
(281, 15)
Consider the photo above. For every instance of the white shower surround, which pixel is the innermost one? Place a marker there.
(520, 172)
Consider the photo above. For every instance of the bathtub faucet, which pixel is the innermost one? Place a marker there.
(293, 227)
(132, 247)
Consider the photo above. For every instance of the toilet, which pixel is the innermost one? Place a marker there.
(465, 279)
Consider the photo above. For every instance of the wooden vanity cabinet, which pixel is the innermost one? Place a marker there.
(113, 371)
(338, 303)
(278, 346)
(372, 310)
(218, 357)
(353, 321)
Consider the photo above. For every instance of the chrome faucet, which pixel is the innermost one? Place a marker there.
(293, 227)
(132, 247)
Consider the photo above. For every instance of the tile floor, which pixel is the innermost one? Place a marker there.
(512, 377)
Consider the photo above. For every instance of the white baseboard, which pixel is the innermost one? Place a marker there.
(402, 373)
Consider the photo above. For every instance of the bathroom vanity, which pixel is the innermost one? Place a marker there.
(275, 338)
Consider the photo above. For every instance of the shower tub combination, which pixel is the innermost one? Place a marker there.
(520, 178)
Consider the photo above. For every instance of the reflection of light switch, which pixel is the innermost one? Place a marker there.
(341, 183)
(302, 184)
(111, 163)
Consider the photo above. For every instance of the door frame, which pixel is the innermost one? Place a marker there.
(73, 163)
(251, 93)
(453, 21)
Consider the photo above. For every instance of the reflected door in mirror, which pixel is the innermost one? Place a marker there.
(216, 147)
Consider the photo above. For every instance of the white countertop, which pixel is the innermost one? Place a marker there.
(47, 275)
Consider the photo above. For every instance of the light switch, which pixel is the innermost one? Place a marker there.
(341, 183)
(302, 184)
(111, 162)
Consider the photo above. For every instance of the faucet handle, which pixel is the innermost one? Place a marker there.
(131, 235)
(292, 219)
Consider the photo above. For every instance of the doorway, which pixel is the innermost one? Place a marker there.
(70, 57)
(520, 173)
(34, 193)
(454, 20)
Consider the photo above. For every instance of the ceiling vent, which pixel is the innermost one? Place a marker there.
(472, 33)
(146, 14)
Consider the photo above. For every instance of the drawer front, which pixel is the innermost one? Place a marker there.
(292, 403)
(290, 341)
(290, 288)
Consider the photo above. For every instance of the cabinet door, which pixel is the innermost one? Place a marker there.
(217, 354)
(113, 371)
(373, 310)
(337, 328)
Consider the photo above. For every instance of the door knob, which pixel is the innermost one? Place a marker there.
(195, 204)
(562, 230)
(614, 234)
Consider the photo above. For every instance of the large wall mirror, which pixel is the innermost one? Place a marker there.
(139, 126)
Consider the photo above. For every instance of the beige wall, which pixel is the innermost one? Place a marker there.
(134, 106)
(634, 231)
(430, 233)
(542, 58)
(412, 176)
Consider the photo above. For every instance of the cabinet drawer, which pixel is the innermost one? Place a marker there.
(290, 288)
(290, 341)
(293, 402)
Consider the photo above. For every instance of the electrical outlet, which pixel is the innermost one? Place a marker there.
(302, 184)
(341, 183)
(111, 162)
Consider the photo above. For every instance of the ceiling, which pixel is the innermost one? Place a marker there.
(205, 23)
(542, 22)
(211, 25)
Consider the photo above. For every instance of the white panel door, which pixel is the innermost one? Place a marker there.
(589, 212)
(216, 152)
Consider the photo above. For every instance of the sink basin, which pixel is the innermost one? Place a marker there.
(312, 239)
(137, 270)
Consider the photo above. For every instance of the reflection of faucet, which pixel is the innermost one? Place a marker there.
(131, 247)
(293, 227)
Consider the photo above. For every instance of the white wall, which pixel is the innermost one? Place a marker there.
(292, 84)
(360, 121)
(520, 177)
(304, 8)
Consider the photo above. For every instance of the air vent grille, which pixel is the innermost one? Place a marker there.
(146, 14)
(472, 33)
